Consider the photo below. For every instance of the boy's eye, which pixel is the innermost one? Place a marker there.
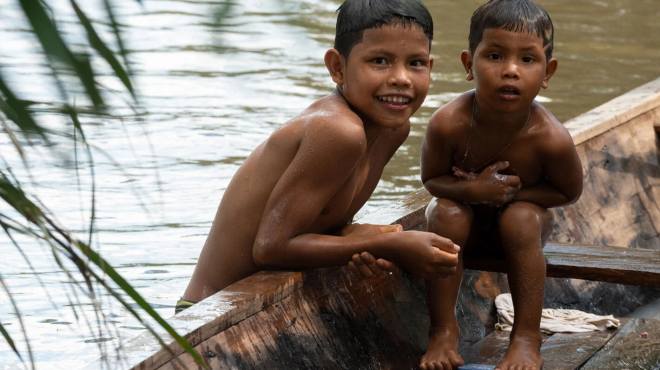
(418, 63)
(528, 59)
(379, 61)
(494, 56)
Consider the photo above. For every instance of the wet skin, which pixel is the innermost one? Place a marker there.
(496, 150)
(290, 203)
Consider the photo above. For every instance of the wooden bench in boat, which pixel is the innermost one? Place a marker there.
(600, 263)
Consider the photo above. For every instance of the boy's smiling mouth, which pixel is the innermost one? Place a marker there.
(395, 101)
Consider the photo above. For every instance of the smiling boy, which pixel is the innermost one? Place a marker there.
(495, 161)
(291, 203)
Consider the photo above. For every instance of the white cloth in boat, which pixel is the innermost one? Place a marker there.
(555, 320)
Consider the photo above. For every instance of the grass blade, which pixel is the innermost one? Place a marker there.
(103, 50)
(54, 46)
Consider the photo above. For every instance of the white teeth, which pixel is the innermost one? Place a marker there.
(394, 99)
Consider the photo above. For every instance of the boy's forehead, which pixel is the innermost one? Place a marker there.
(394, 34)
(495, 35)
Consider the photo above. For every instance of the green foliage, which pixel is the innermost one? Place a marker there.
(20, 123)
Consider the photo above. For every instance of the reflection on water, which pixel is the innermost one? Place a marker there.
(212, 91)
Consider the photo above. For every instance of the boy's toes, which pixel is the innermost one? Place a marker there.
(435, 365)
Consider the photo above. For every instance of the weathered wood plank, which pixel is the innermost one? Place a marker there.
(635, 346)
(568, 351)
(216, 313)
(334, 321)
(600, 263)
(615, 112)
(489, 350)
(560, 351)
(619, 203)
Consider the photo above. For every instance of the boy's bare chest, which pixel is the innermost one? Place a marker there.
(522, 155)
(352, 195)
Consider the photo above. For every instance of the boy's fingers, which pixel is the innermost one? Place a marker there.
(386, 265)
(512, 180)
(367, 258)
(446, 245)
(363, 268)
(497, 166)
(459, 172)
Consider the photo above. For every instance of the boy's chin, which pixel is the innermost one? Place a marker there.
(391, 123)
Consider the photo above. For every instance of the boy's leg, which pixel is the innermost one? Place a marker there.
(451, 220)
(523, 229)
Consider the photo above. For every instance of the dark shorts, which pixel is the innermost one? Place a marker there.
(484, 239)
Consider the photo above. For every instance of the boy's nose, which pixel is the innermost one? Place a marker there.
(399, 77)
(510, 70)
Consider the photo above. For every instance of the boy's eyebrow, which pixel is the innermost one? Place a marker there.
(387, 52)
(524, 48)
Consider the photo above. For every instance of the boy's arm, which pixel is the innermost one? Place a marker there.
(444, 181)
(562, 171)
(437, 151)
(325, 160)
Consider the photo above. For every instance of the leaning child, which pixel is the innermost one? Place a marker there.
(291, 204)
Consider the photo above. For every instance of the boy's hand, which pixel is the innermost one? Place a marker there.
(367, 265)
(427, 254)
(494, 188)
(364, 263)
(464, 175)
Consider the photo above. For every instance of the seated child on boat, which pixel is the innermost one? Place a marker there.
(495, 161)
(291, 203)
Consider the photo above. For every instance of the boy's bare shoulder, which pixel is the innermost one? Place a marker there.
(553, 137)
(453, 116)
(329, 119)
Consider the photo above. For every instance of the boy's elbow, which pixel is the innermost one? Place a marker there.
(264, 254)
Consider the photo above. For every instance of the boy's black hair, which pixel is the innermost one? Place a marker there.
(512, 15)
(356, 16)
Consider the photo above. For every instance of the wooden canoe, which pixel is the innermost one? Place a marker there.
(330, 319)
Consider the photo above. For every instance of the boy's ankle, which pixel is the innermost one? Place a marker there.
(530, 336)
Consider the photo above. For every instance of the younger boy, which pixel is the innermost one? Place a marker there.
(291, 202)
(495, 161)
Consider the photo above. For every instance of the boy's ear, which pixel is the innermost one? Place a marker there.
(466, 59)
(334, 62)
(550, 70)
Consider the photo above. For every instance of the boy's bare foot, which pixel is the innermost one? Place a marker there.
(524, 353)
(442, 352)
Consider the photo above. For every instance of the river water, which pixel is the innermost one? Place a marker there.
(210, 91)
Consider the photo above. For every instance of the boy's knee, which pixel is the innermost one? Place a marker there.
(522, 220)
(443, 213)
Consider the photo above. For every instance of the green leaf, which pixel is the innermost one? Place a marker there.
(10, 341)
(16, 110)
(105, 52)
(56, 48)
(137, 298)
(118, 38)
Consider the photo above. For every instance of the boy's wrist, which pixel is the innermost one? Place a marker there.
(384, 245)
